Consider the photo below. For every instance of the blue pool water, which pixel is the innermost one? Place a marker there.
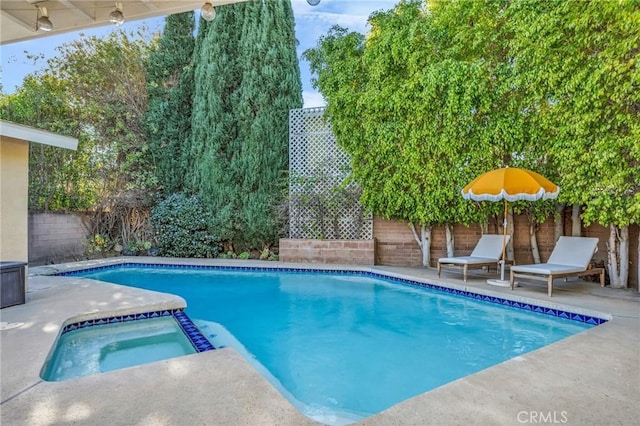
(342, 347)
(110, 347)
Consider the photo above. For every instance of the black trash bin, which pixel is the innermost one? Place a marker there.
(12, 280)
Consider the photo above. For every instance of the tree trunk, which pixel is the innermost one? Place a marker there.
(450, 243)
(558, 222)
(612, 264)
(618, 256)
(484, 227)
(425, 233)
(576, 223)
(424, 242)
(510, 228)
(624, 256)
(534, 242)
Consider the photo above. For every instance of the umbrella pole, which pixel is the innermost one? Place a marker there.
(504, 240)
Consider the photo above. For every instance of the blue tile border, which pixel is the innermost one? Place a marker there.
(463, 293)
(198, 341)
(514, 304)
(201, 343)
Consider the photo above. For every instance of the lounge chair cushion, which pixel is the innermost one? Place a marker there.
(576, 251)
(490, 246)
(487, 251)
(467, 260)
(547, 269)
(570, 255)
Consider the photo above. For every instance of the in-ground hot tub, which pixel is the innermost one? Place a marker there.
(106, 344)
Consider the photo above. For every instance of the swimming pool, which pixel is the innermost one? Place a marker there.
(343, 346)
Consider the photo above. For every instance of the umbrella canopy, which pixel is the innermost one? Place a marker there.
(509, 184)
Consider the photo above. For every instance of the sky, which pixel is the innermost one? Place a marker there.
(17, 59)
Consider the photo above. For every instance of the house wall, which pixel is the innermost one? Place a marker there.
(14, 185)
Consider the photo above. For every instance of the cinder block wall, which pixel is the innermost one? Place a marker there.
(354, 252)
(395, 244)
(54, 235)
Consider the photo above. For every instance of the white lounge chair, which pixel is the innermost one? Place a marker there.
(571, 257)
(486, 253)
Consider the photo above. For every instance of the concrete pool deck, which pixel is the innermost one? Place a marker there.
(589, 378)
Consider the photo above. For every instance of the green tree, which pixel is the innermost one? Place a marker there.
(170, 86)
(107, 83)
(441, 91)
(59, 179)
(582, 78)
(246, 80)
(407, 115)
(270, 87)
(214, 125)
(504, 130)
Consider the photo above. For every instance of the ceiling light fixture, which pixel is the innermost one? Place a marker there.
(207, 12)
(116, 16)
(43, 23)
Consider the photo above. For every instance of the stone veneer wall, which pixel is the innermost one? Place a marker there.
(56, 235)
(354, 252)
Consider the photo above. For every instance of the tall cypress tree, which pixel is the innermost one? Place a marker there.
(170, 85)
(214, 126)
(247, 79)
(270, 87)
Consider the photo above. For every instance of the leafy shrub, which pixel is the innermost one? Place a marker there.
(227, 255)
(182, 229)
(264, 254)
(136, 248)
(99, 243)
(267, 254)
(244, 255)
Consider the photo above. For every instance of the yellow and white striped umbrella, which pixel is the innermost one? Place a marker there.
(510, 184)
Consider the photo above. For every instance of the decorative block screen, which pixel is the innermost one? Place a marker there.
(321, 204)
